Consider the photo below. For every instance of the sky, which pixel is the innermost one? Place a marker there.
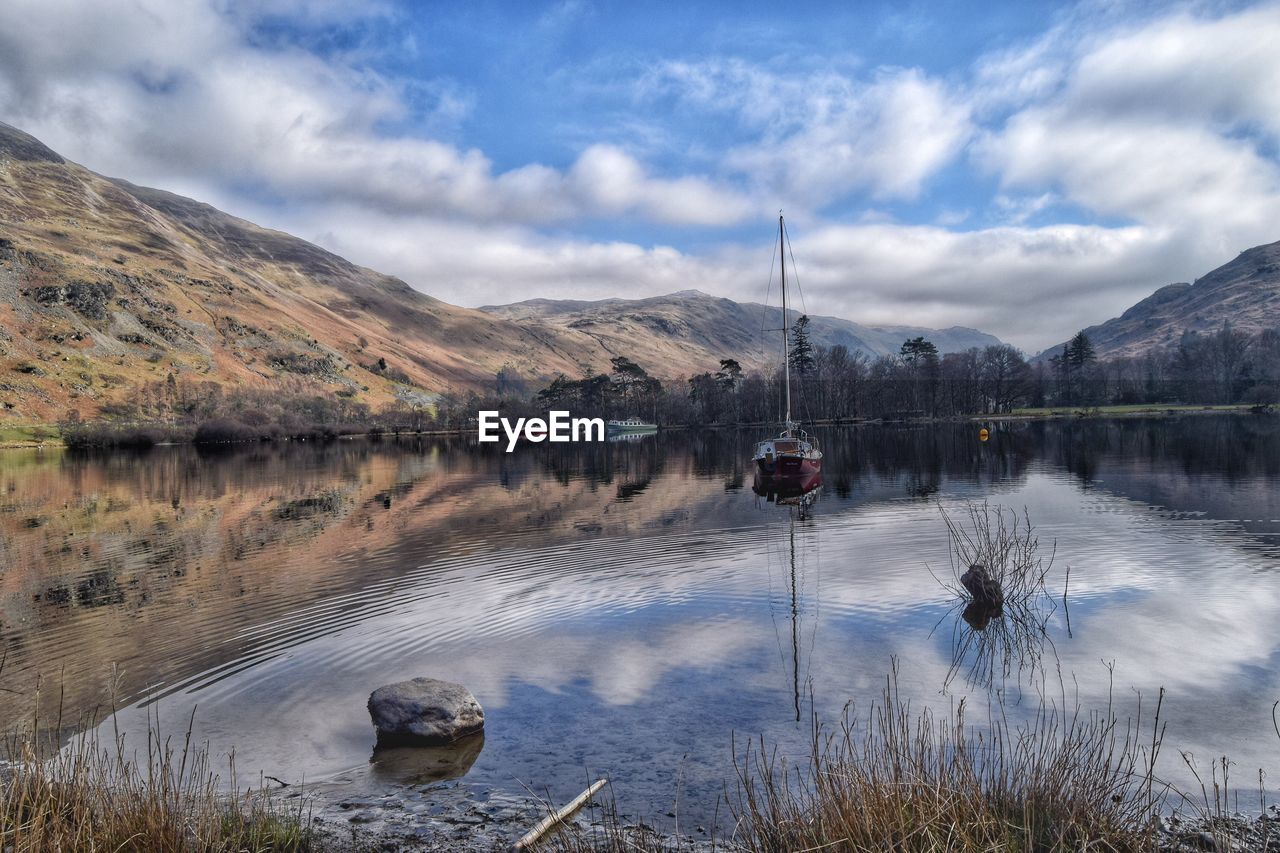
(1024, 168)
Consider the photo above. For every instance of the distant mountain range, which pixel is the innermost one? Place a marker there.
(106, 286)
(694, 324)
(1244, 292)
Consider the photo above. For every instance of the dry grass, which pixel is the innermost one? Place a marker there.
(897, 780)
(906, 782)
(1217, 810)
(93, 795)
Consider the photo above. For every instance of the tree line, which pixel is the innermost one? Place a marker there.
(835, 383)
(829, 383)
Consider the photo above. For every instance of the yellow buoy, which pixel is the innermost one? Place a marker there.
(983, 435)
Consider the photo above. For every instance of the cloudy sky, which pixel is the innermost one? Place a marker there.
(1025, 168)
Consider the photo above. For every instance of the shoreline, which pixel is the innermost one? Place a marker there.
(453, 816)
(419, 820)
(1024, 415)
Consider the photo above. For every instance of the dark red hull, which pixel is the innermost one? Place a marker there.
(789, 466)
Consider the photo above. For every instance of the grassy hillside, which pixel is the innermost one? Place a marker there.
(106, 286)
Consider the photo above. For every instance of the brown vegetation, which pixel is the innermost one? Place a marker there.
(143, 283)
(93, 795)
(907, 781)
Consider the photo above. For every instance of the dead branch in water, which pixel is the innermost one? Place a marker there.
(533, 836)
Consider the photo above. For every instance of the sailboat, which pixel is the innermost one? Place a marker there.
(792, 453)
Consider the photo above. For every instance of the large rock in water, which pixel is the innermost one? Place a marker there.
(424, 712)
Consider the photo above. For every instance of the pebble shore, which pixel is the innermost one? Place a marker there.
(457, 818)
(1234, 833)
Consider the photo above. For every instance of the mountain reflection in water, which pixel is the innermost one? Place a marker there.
(621, 608)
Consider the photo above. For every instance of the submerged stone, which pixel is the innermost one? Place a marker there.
(982, 586)
(424, 712)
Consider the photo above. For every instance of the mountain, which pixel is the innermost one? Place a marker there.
(699, 325)
(1244, 292)
(106, 287)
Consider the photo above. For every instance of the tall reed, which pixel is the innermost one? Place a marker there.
(95, 794)
(900, 780)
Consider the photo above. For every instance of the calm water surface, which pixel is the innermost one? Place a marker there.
(621, 609)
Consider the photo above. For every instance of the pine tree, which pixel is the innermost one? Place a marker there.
(920, 355)
(1076, 356)
(629, 379)
(1079, 351)
(921, 359)
(801, 354)
(730, 374)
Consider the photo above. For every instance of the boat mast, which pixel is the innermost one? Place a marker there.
(786, 341)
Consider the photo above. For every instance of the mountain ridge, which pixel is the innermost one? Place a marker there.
(750, 317)
(1244, 291)
(106, 286)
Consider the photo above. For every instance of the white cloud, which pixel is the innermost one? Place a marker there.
(167, 92)
(995, 279)
(1223, 71)
(1016, 77)
(609, 182)
(876, 273)
(1175, 175)
(1019, 209)
(472, 265)
(1172, 123)
(889, 139)
(824, 135)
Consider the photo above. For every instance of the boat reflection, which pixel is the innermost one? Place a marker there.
(788, 491)
(800, 492)
(629, 437)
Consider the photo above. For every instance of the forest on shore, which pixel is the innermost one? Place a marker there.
(831, 384)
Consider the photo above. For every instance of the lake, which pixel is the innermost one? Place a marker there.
(624, 609)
